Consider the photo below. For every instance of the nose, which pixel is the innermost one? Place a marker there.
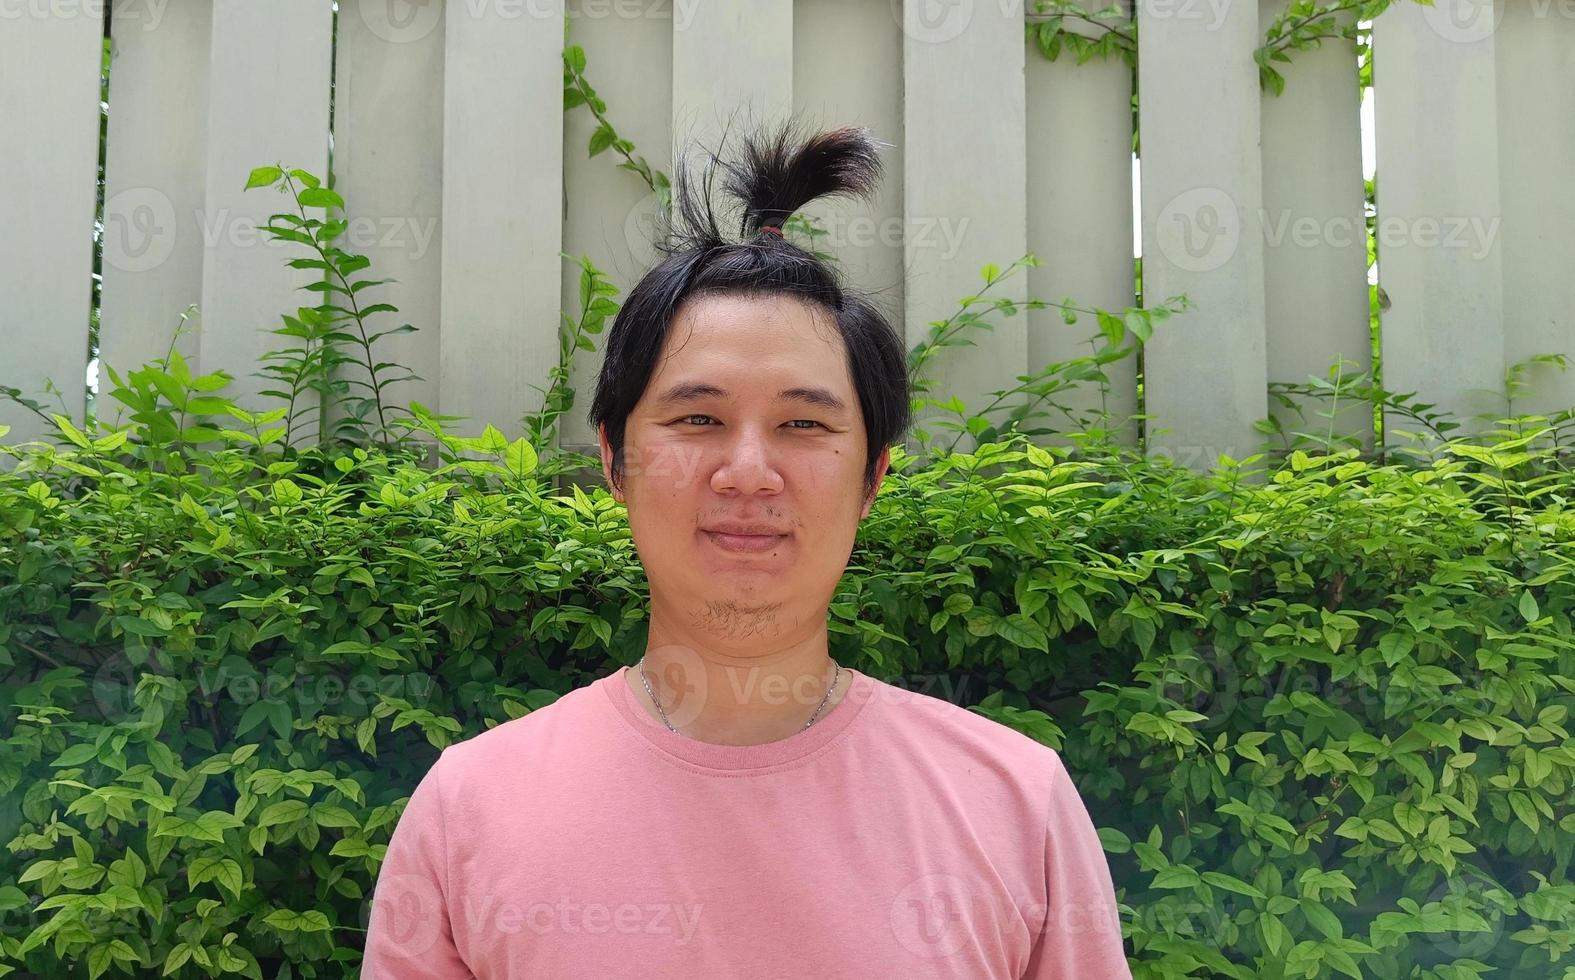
(746, 465)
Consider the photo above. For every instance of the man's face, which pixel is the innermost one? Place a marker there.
(746, 453)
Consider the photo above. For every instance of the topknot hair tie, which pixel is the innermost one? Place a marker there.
(773, 229)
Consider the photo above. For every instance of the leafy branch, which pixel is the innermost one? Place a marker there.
(574, 334)
(1048, 381)
(312, 366)
(577, 91)
(1305, 25)
(1047, 28)
(1057, 26)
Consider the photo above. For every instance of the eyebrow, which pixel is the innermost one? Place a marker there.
(688, 391)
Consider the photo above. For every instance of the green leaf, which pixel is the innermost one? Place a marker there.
(255, 714)
(262, 177)
(11, 897)
(1136, 321)
(321, 197)
(1023, 632)
(1322, 919)
(76, 755)
(282, 812)
(1275, 937)
(72, 433)
(1525, 810)
(222, 870)
(521, 458)
(140, 626)
(328, 815)
(1232, 884)
(1176, 876)
(286, 920)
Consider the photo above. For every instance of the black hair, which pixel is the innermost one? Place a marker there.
(779, 173)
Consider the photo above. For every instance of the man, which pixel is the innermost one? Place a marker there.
(739, 804)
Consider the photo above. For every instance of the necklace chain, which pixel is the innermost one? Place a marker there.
(833, 686)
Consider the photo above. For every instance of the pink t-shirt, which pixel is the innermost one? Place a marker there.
(897, 836)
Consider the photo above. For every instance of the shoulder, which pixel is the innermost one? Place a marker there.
(964, 741)
(938, 709)
(525, 741)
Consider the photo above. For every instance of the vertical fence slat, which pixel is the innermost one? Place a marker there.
(847, 71)
(388, 166)
(1205, 371)
(1437, 189)
(502, 209)
(1314, 230)
(611, 214)
(1536, 138)
(1080, 222)
(155, 158)
(268, 104)
(732, 69)
(49, 112)
(964, 192)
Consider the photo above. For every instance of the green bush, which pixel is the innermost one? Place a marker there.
(1319, 717)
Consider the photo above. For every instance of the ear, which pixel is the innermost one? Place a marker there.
(882, 464)
(607, 456)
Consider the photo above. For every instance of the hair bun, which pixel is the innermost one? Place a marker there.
(779, 172)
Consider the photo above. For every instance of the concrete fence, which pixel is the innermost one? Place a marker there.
(466, 181)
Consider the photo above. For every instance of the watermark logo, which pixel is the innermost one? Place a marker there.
(1203, 680)
(404, 234)
(484, 914)
(146, 14)
(406, 21)
(1210, 12)
(933, 21)
(1477, 233)
(400, 21)
(1199, 230)
(407, 913)
(140, 231)
(115, 683)
(114, 687)
(932, 916)
(945, 235)
(1463, 21)
(643, 227)
(1470, 931)
(677, 676)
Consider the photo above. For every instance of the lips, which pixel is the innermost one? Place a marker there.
(745, 528)
(742, 542)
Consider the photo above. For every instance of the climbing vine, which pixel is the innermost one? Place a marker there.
(1062, 26)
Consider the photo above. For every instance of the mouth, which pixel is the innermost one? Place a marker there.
(744, 543)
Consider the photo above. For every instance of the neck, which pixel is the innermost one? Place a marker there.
(728, 698)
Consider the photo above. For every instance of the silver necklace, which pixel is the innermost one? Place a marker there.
(641, 668)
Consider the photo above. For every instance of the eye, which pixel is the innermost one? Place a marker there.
(686, 419)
